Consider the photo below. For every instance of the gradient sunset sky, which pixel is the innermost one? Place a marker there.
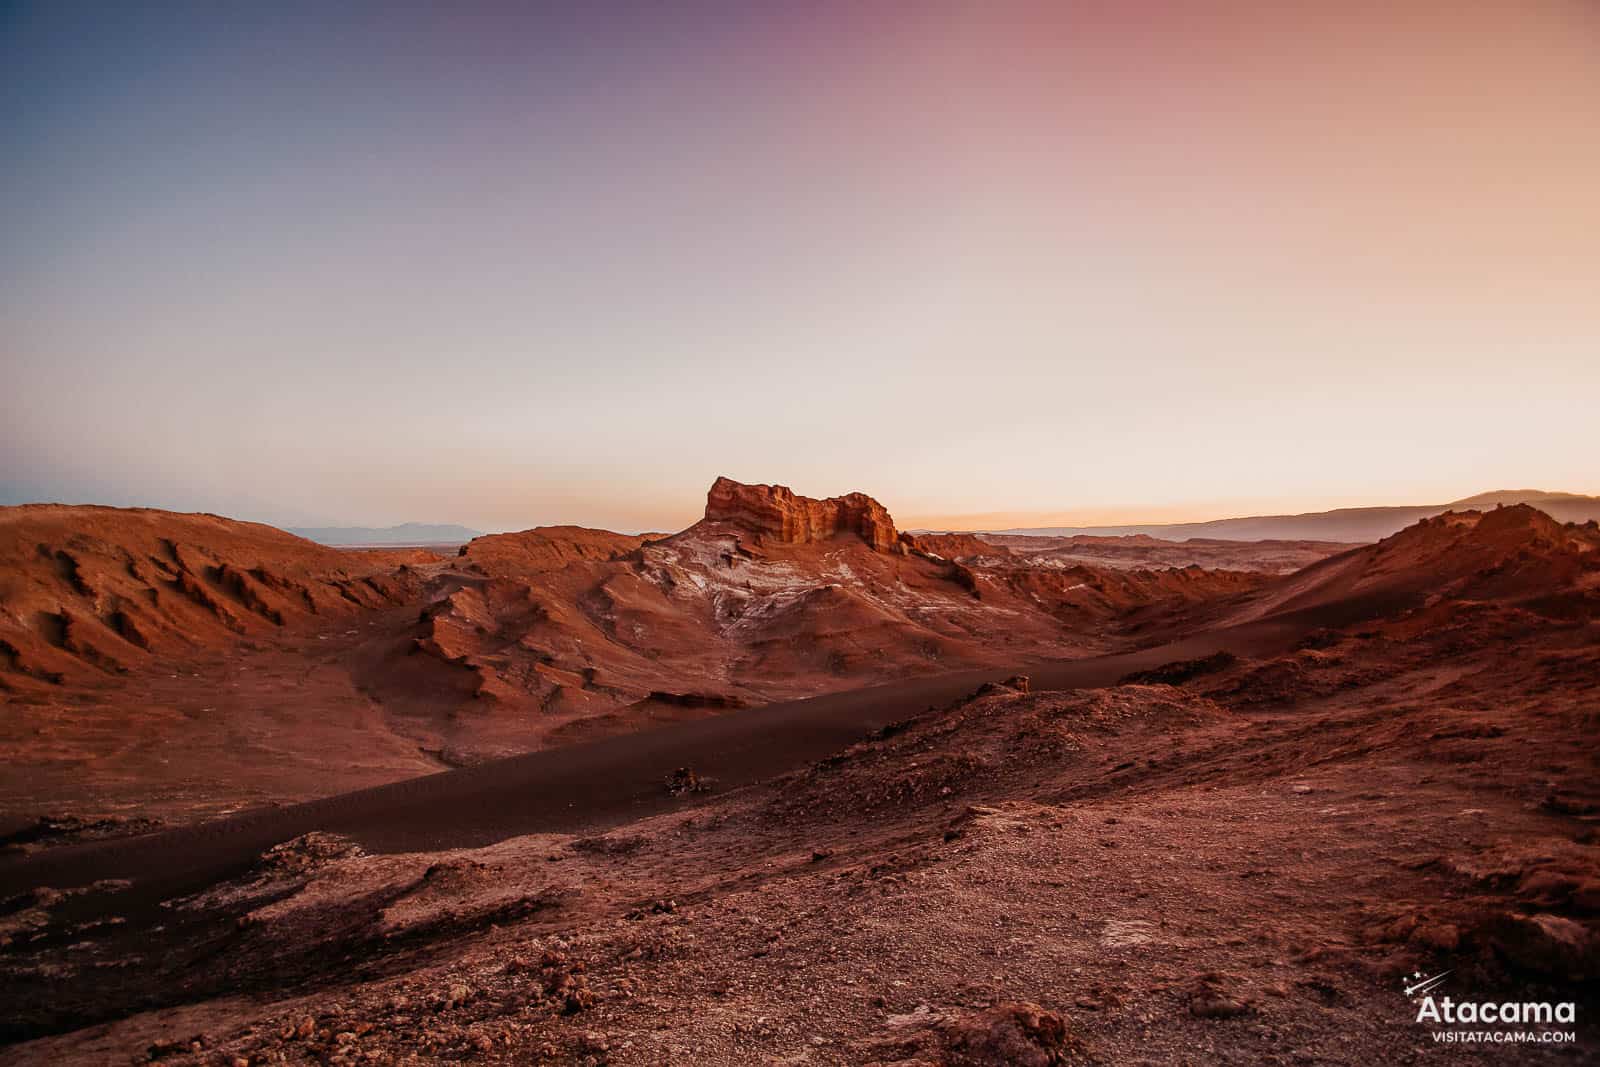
(1045, 263)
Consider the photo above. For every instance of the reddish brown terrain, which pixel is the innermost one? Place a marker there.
(168, 666)
(156, 665)
(562, 634)
(1142, 550)
(1086, 815)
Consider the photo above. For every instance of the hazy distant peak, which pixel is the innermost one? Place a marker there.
(1515, 496)
(1341, 524)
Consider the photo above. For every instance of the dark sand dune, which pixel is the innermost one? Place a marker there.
(588, 786)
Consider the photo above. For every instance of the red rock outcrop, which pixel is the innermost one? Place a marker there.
(776, 513)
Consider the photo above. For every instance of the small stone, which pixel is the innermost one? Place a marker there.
(1550, 945)
(1446, 937)
(165, 1046)
(1211, 1005)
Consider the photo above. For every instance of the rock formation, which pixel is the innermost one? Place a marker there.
(775, 513)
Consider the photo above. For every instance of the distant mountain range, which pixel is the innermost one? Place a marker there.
(407, 533)
(1343, 524)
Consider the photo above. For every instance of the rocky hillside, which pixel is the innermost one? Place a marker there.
(545, 548)
(1512, 555)
(558, 634)
(87, 592)
(208, 663)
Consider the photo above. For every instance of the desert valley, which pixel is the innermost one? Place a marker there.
(790, 785)
(799, 535)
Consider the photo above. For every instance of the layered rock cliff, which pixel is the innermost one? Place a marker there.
(775, 513)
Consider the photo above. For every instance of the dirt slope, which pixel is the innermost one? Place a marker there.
(1514, 555)
(1239, 868)
(88, 591)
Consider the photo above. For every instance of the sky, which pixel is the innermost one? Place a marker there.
(996, 264)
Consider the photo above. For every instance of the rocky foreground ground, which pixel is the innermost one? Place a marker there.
(1241, 847)
(1240, 868)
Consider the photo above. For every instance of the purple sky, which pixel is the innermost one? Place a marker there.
(354, 263)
